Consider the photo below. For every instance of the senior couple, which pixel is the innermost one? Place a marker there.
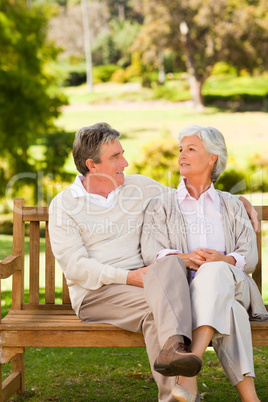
(172, 264)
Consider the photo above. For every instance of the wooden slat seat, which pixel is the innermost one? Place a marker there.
(21, 328)
(55, 325)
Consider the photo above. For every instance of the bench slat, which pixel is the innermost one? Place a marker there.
(63, 337)
(18, 249)
(35, 214)
(41, 307)
(50, 272)
(65, 291)
(34, 262)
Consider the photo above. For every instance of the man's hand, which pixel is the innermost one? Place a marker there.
(135, 277)
(252, 213)
(209, 255)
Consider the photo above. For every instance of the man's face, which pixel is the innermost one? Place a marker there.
(112, 165)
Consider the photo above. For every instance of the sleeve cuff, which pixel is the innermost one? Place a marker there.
(166, 251)
(240, 260)
(121, 276)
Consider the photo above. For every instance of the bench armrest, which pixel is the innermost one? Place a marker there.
(9, 266)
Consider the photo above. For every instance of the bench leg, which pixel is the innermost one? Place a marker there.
(15, 382)
(18, 366)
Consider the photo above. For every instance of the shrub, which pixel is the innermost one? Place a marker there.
(160, 162)
(104, 73)
(172, 91)
(75, 78)
(119, 76)
(223, 68)
(233, 181)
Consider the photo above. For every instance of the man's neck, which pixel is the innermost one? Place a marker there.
(97, 187)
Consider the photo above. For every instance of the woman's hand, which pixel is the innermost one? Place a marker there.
(209, 255)
(189, 258)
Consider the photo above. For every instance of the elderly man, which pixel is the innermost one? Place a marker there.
(95, 229)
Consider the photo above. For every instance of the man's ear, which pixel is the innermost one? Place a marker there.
(90, 165)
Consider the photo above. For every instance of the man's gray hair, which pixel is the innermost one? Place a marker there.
(214, 143)
(88, 142)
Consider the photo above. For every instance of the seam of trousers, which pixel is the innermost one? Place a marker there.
(166, 294)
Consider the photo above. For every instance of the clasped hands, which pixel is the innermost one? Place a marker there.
(201, 256)
(192, 261)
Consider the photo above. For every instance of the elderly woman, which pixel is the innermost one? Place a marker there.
(212, 234)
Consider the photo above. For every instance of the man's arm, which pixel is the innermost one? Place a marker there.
(252, 213)
(70, 252)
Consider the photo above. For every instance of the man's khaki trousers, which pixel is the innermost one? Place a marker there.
(159, 310)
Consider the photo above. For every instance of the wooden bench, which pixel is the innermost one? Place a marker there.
(50, 324)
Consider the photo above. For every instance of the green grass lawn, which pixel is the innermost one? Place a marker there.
(119, 374)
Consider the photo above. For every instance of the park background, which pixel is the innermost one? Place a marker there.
(149, 68)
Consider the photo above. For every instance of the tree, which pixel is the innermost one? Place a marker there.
(66, 29)
(29, 99)
(207, 31)
(113, 47)
(125, 9)
(87, 43)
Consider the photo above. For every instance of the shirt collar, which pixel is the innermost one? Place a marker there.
(182, 192)
(78, 190)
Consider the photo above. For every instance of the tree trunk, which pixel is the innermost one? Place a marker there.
(195, 81)
(121, 11)
(196, 92)
(87, 45)
(161, 67)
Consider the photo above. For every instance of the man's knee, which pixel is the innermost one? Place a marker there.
(172, 262)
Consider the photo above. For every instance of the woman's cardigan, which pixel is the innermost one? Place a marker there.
(165, 228)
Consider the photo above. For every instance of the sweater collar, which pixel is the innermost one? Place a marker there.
(78, 190)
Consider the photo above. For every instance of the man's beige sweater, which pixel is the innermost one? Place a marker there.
(95, 245)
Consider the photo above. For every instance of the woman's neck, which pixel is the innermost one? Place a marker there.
(197, 187)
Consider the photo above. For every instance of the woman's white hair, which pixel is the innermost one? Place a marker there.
(214, 143)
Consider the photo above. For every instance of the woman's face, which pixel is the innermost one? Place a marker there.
(194, 160)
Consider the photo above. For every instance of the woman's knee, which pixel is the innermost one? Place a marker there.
(213, 273)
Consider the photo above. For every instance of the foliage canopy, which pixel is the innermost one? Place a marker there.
(29, 99)
(206, 32)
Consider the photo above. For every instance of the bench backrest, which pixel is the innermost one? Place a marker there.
(35, 216)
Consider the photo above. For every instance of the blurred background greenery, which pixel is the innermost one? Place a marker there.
(147, 67)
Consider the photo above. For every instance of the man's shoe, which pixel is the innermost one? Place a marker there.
(178, 360)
